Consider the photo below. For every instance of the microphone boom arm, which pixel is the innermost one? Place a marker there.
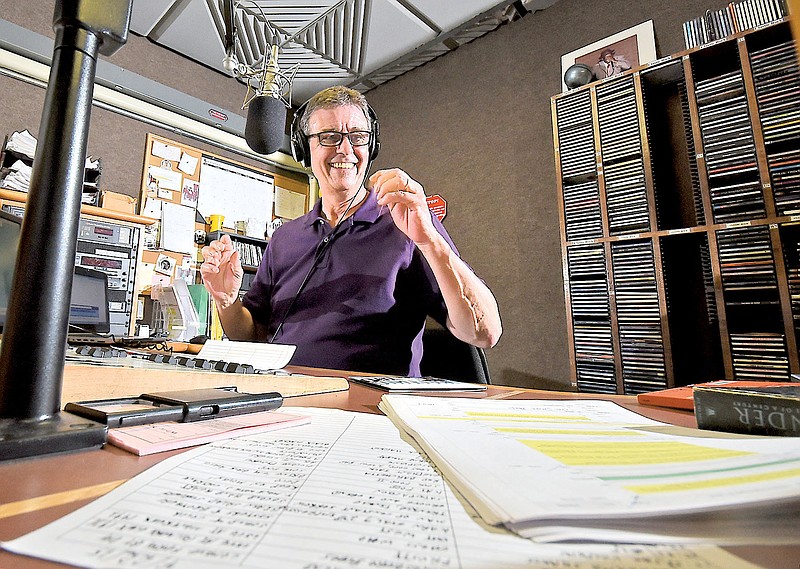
(264, 77)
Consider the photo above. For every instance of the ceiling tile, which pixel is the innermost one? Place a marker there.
(393, 31)
(363, 43)
(193, 34)
(448, 15)
(146, 13)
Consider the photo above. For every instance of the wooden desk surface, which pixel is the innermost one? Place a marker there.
(34, 492)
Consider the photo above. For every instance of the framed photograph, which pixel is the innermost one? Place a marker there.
(615, 54)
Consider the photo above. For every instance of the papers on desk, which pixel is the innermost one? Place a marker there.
(160, 437)
(591, 470)
(341, 492)
(258, 354)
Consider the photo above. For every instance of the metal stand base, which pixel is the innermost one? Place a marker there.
(62, 432)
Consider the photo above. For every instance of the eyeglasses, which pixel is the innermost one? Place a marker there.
(333, 138)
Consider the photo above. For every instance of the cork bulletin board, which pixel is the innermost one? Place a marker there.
(183, 186)
(171, 171)
(178, 174)
(175, 174)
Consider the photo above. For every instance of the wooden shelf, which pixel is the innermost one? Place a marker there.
(22, 197)
(680, 233)
(250, 248)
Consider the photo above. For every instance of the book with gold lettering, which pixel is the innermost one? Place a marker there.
(752, 407)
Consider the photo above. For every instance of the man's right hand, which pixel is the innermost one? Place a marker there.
(222, 271)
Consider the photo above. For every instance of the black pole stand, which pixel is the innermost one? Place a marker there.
(35, 335)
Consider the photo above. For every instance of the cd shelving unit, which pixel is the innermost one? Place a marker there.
(679, 188)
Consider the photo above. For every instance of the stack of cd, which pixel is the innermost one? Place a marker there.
(747, 265)
(626, 197)
(759, 357)
(793, 274)
(639, 317)
(784, 171)
(708, 281)
(591, 319)
(623, 166)
(752, 303)
(694, 173)
(729, 149)
(791, 251)
(581, 195)
(595, 376)
(775, 73)
(777, 80)
(576, 135)
(582, 211)
(618, 118)
(734, 17)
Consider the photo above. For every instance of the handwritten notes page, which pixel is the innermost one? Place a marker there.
(603, 472)
(341, 492)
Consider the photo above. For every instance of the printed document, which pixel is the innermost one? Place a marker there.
(341, 492)
(586, 469)
(258, 354)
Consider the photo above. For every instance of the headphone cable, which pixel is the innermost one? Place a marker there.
(321, 248)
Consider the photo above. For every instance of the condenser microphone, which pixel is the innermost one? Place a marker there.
(265, 128)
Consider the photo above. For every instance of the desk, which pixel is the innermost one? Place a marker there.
(62, 484)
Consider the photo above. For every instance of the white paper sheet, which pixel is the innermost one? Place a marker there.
(188, 164)
(340, 493)
(177, 228)
(258, 354)
(236, 192)
(152, 208)
(289, 204)
(163, 179)
(601, 467)
(159, 437)
(166, 151)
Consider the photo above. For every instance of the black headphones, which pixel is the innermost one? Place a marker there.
(302, 153)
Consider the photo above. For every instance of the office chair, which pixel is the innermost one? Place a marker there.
(446, 356)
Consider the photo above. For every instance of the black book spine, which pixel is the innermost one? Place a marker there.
(747, 412)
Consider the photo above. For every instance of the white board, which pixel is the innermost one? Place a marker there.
(237, 192)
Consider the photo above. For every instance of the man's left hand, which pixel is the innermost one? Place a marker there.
(405, 198)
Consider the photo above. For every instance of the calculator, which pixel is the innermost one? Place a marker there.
(401, 383)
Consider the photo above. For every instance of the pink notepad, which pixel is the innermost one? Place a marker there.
(160, 437)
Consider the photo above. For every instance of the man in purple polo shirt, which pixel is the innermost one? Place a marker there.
(351, 282)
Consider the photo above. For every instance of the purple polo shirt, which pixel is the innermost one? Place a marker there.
(364, 306)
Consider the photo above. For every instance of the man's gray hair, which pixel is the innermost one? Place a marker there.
(336, 96)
